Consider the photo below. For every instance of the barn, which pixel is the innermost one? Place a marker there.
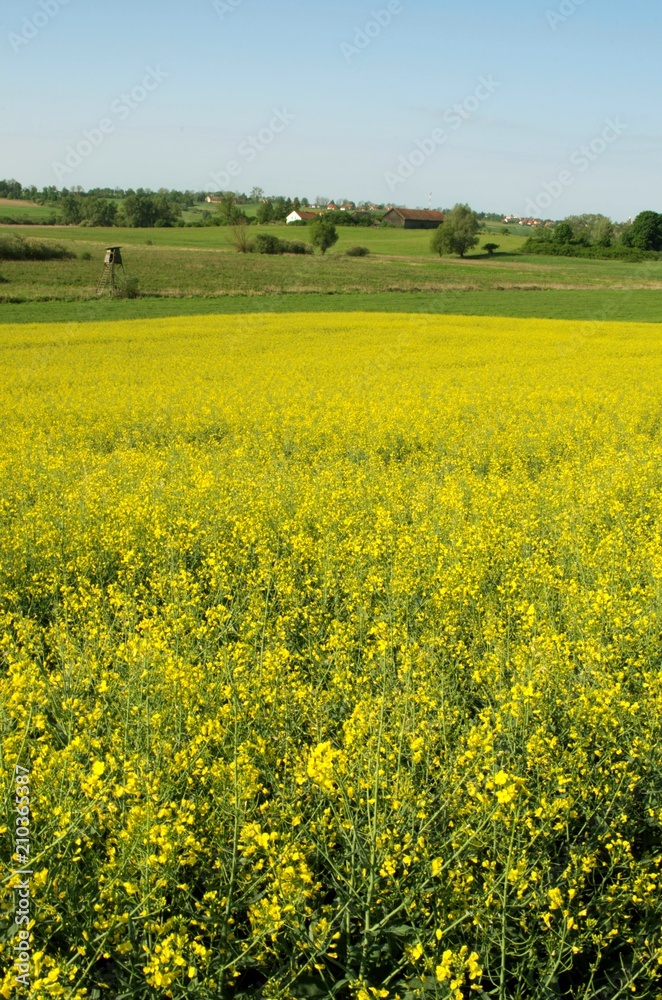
(414, 218)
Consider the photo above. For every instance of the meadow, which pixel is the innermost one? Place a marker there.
(401, 274)
(332, 645)
(24, 211)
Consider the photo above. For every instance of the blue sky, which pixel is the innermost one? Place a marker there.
(366, 108)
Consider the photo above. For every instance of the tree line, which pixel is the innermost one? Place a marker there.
(596, 236)
(577, 236)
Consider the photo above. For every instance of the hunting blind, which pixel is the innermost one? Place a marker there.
(113, 273)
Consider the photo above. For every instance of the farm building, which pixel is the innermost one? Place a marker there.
(300, 216)
(414, 218)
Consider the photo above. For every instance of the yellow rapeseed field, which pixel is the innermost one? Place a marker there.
(331, 647)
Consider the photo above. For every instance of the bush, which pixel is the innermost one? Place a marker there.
(240, 239)
(296, 246)
(14, 247)
(86, 255)
(129, 290)
(549, 248)
(267, 243)
(357, 251)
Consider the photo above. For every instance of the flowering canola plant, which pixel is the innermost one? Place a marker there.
(332, 645)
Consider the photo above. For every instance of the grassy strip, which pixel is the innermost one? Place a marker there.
(599, 304)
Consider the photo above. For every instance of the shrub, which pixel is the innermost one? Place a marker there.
(240, 239)
(130, 289)
(267, 243)
(14, 247)
(296, 246)
(85, 255)
(547, 247)
(357, 251)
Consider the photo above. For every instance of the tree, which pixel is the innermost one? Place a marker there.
(490, 247)
(143, 210)
(323, 234)
(72, 210)
(240, 238)
(257, 194)
(458, 233)
(265, 212)
(645, 233)
(595, 229)
(228, 211)
(99, 212)
(564, 233)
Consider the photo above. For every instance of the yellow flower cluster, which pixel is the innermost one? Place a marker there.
(332, 646)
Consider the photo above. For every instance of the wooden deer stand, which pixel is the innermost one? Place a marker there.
(113, 269)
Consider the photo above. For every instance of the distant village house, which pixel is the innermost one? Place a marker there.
(298, 215)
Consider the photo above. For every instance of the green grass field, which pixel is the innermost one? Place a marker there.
(595, 304)
(197, 270)
(24, 210)
(394, 242)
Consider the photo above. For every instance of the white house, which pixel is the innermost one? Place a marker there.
(300, 216)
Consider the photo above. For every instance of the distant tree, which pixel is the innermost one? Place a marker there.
(71, 207)
(323, 234)
(645, 233)
(282, 207)
(591, 230)
(490, 247)
(11, 189)
(137, 212)
(564, 233)
(265, 212)
(602, 234)
(257, 194)
(99, 212)
(305, 203)
(228, 211)
(143, 210)
(458, 233)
